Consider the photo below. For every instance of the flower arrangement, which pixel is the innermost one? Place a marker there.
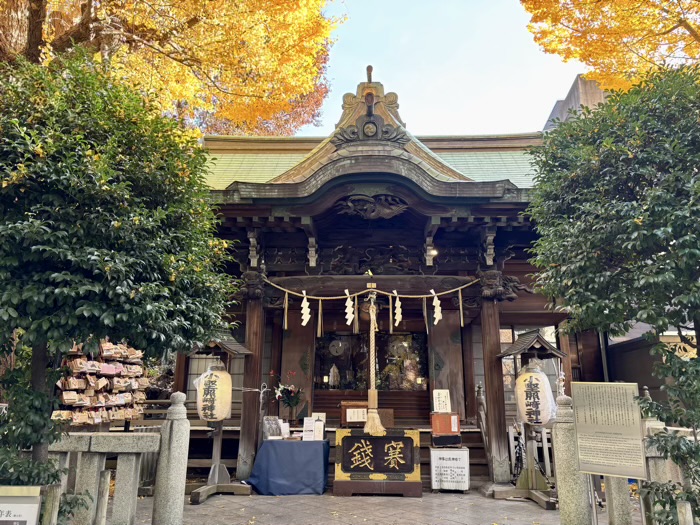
(289, 395)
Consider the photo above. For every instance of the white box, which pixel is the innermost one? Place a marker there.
(449, 468)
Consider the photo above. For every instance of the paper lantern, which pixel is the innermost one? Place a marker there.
(533, 396)
(214, 394)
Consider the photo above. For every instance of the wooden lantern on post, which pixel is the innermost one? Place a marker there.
(536, 407)
(214, 399)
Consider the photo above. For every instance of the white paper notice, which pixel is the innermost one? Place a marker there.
(609, 432)
(284, 427)
(449, 468)
(355, 415)
(441, 401)
(319, 430)
(308, 434)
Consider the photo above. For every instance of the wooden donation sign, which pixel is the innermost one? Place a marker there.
(609, 434)
(382, 464)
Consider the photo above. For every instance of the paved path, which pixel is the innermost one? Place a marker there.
(431, 509)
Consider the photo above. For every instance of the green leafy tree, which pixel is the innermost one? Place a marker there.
(105, 225)
(617, 209)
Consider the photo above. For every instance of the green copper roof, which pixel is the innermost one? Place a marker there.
(483, 166)
(480, 166)
(248, 167)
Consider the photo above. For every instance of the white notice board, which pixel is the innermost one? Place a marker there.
(441, 401)
(609, 434)
(449, 468)
(19, 505)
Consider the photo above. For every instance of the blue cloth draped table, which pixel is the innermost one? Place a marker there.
(284, 468)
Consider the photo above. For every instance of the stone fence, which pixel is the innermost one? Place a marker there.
(83, 456)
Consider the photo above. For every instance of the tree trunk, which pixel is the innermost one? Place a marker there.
(36, 15)
(40, 452)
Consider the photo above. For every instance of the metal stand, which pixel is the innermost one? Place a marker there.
(219, 481)
(531, 483)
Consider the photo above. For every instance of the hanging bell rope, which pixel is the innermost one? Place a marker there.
(356, 319)
(286, 308)
(425, 315)
(373, 426)
(319, 322)
(391, 314)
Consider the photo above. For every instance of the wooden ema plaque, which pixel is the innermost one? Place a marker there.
(388, 464)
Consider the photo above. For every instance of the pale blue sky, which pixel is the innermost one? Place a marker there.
(460, 67)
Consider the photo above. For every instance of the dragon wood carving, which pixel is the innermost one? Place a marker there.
(377, 207)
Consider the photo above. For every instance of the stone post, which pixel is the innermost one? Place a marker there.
(617, 496)
(171, 473)
(88, 480)
(51, 501)
(685, 513)
(126, 489)
(103, 497)
(573, 487)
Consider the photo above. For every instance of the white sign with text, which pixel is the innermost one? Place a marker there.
(609, 434)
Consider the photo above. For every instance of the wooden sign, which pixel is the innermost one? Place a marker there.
(609, 434)
(387, 464)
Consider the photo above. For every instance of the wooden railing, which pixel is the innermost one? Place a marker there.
(481, 416)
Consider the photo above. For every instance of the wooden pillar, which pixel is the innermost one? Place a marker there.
(469, 378)
(565, 347)
(275, 362)
(254, 341)
(180, 380)
(495, 397)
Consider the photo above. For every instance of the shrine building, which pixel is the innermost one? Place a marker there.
(373, 207)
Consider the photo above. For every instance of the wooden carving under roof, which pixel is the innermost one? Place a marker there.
(371, 125)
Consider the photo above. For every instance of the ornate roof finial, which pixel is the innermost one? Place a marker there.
(369, 74)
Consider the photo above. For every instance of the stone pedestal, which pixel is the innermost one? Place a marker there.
(573, 487)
